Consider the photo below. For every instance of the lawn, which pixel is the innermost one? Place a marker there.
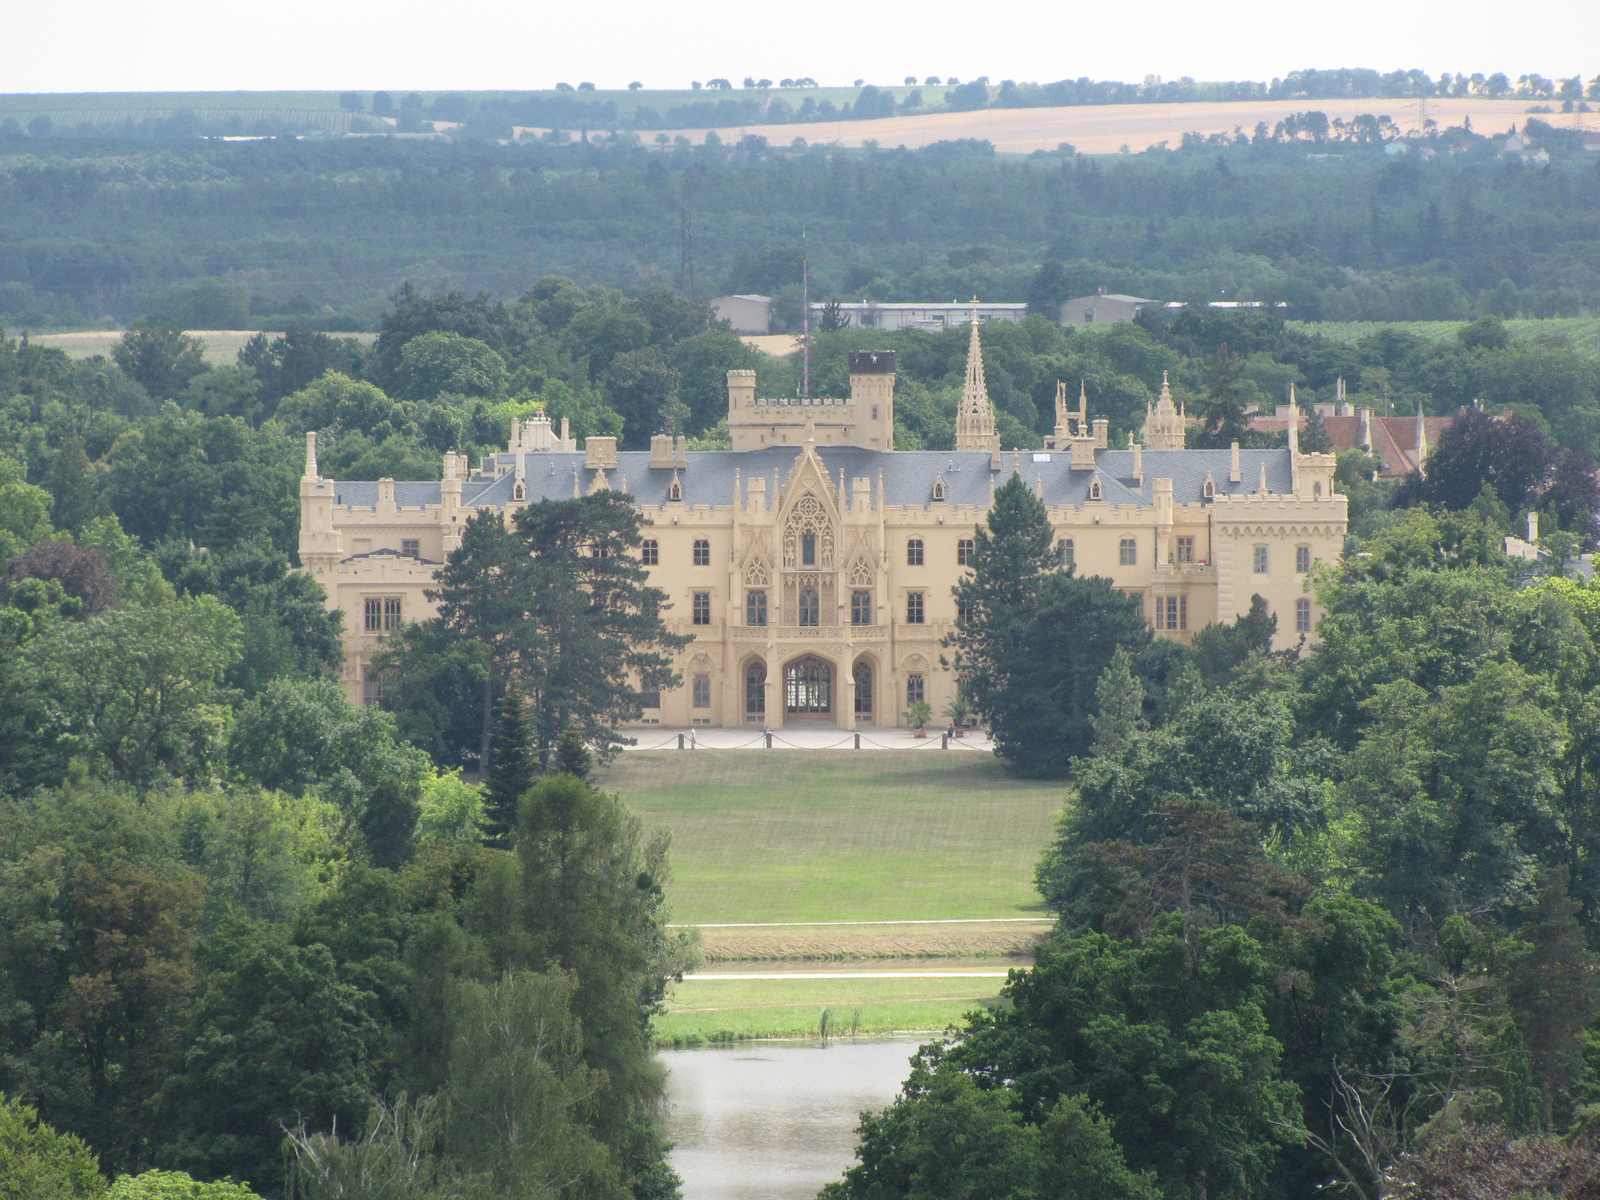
(722, 1010)
(794, 835)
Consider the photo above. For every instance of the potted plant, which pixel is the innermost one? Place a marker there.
(959, 712)
(917, 714)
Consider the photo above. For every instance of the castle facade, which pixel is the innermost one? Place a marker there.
(813, 562)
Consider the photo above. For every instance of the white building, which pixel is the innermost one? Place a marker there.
(869, 314)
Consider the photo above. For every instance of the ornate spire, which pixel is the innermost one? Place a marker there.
(975, 420)
(1163, 424)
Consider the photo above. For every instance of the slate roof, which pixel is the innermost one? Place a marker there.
(908, 475)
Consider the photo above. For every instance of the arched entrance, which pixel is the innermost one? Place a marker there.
(862, 674)
(755, 691)
(808, 689)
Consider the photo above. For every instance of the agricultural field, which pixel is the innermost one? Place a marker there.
(807, 870)
(222, 346)
(1582, 332)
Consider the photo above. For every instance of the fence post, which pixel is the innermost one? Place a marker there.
(944, 741)
(680, 741)
(858, 741)
(768, 733)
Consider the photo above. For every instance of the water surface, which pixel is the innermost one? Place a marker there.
(769, 1121)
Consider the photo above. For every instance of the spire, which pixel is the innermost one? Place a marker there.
(1294, 422)
(311, 455)
(975, 420)
(1163, 423)
(1422, 439)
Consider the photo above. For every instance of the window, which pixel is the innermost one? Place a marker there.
(914, 610)
(914, 552)
(1261, 560)
(808, 549)
(650, 698)
(914, 688)
(650, 552)
(1068, 552)
(810, 609)
(1302, 559)
(861, 607)
(411, 547)
(1186, 549)
(382, 613)
(701, 688)
(755, 607)
(702, 608)
(963, 610)
(1095, 491)
(702, 552)
(862, 674)
(938, 489)
(374, 686)
(1172, 612)
(755, 689)
(808, 686)
(1129, 552)
(964, 552)
(675, 489)
(1302, 616)
(1209, 489)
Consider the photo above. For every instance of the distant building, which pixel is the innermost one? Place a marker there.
(1278, 308)
(1519, 145)
(1102, 308)
(1401, 444)
(869, 314)
(747, 314)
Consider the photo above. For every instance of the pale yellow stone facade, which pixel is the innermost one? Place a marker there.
(813, 564)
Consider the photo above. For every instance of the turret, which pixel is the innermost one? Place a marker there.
(975, 426)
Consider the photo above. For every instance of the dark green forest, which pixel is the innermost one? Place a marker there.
(280, 232)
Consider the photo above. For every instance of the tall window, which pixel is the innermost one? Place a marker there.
(1261, 560)
(374, 686)
(964, 552)
(914, 552)
(1129, 552)
(914, 608)
(1172, 612)
(701, 688)
(755, 607)
(1302, 559)
(914, 688)
(650, 552)
(381, 614)
(755, 689)
(1302, 616)
(411, 547)
(808, 686)
(702, 552)
(862, 674)
(1069, 553)
(861, 607)
(1185, 550)
(650, 698)
(702, 608)
(963, 610)
(808, 549)
(810, 609)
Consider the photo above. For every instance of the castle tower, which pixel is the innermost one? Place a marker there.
(975, 419)
(1163, 424)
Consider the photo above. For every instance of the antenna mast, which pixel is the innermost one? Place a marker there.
(805, 320)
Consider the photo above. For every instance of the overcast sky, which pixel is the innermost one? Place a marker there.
(114, 45)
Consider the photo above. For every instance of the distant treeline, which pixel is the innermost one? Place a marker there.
(495, 114)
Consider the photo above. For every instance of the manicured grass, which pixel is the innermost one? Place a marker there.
(718, 1010)
(794, 835)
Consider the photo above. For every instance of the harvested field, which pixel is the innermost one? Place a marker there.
(1105, 129)
(852, 943)
(221, 345)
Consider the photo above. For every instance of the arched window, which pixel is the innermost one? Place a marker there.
(1209, 489)
(808, 550)
(810, 609)
(862, 674)
(1094, 490)
(518, 492)
(755, 689)
(675, 489)
(808, 686)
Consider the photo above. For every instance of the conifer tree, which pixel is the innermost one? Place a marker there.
(512, 768)
(1119, 701)
(572, 754)
(1554, 990)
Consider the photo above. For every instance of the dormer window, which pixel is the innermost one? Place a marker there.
(675, 489)
(518, 492)
(1094, 489)
(1209, 488)
(938, 488)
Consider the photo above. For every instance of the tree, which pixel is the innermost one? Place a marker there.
(70, 480)
(37, 1163)
(1223, 410)
(1512, 455)
(176, 1185)
(1220, 650)
(1573, 495)
(160, 358)
(643, 386)
(83, 573)
(1050, 288)
(573, 756)
(24, 510)
(440, 362)
(137, 688)
(1314, 437)
(1554, 992)
(513, 767)
(389, 821)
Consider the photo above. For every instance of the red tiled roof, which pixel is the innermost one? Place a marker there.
(1394, 439)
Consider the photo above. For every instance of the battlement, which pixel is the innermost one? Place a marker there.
(865, 419)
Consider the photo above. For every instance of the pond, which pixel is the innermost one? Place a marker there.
(774, 1121)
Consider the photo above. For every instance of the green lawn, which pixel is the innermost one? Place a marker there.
(791, 835)
(1584, 332)
(722, 1010)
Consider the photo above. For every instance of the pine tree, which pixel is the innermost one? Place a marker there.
(74, 499)
(1314, 437)
(573, 756)
(512, 769)
(389, 822)
(1119, 701)
(1554, 991)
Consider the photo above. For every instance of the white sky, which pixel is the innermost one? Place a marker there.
(217, 45)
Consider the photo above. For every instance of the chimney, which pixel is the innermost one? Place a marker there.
(599, 452)
(1082, 454)
(311, 456)
(681, 454)
(1364, 428)
(1138, 459)
(1533, 527)
(1233, 464)
(1102, 433)
(661, 452)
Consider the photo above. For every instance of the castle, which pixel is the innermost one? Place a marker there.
(813, 562)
